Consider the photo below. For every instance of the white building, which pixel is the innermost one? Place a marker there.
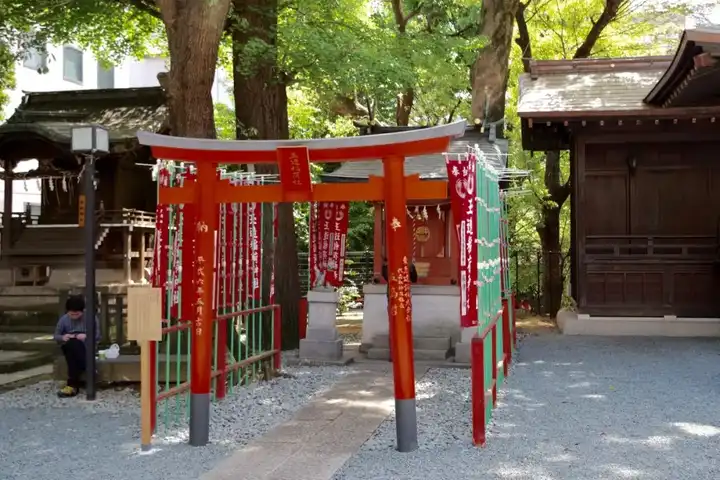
(69, 68)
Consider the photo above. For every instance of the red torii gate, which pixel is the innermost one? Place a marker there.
(293, 158)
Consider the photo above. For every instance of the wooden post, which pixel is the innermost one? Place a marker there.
(400, 306)
(127, 255)
(142, 248)
(7, 212)
(146, 396)
(145, 327)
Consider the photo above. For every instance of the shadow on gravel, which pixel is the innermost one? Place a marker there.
(574, 408)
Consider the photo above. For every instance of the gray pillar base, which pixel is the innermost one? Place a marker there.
(406, 425)
(462, 352)
(145, 448)
(312, 349)
(199, 419)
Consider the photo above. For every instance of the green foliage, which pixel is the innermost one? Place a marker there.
(353, 50)
(112, 30)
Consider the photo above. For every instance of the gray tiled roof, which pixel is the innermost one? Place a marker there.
(123, 111)
(586, 91)
(427, 166)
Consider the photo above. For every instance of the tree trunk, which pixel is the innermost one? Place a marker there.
(559, 191)
(553, 280)
(403, 108)
(193, 60)
(489, 73)
(261, 113)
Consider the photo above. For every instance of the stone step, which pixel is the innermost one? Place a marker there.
(419, 343)
(47, 320)
(27, 328)
(376, 353)
(15, 361)
(28, 342)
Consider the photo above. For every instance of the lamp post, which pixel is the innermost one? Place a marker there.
(88, 141)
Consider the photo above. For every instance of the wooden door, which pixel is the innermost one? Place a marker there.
(650, 219)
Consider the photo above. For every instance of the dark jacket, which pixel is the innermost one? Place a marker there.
(413, 273)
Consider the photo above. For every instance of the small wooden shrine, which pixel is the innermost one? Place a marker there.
(432, 239)
(47, 248)
(645, 183)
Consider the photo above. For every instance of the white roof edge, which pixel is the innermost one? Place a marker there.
(456, 129)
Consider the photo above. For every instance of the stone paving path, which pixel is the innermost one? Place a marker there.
(322, 436)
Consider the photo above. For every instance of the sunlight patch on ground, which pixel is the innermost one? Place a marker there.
(697, 429)
(658, 442)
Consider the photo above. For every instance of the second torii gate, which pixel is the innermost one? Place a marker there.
(293, 158)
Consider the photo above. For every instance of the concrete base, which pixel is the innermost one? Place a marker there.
(435, 312)
(462, 348)
(573, 323)
(322, 342)
(462, 352)
(311, 349)
(126, 369)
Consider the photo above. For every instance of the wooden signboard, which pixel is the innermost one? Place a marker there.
(144, 313)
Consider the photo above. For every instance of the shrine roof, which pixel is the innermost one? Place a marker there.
(122, 111)
(572, 87)
(431, 167)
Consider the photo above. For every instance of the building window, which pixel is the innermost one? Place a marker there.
(73, 65)
(35, 60)
(105, 77)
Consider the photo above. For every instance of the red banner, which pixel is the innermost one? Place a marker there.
(337, 238)
(313, 247)
(254, 216)
(187, 254)
(160, 251)
(275, 237)
(461, 176)
(294, 167)
(328, 234)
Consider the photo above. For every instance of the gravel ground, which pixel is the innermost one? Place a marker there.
(44, 437)
(573, 409)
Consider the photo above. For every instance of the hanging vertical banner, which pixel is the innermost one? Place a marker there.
(461, 176)
(326, 213)
(336, 247)
(160, 250)
(254, 243)
(313, 247)
(328, 234)
(175, 255)
(275, 238)
(243, 250)
(188, 255)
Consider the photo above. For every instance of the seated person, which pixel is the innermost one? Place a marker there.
(70, 334)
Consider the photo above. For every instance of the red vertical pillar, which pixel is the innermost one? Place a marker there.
(400, 307)
(202, 331)
(494, 363)
(477, 377)
(507, 341)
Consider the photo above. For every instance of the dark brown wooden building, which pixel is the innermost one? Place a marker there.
(644, 142)
(47, 249)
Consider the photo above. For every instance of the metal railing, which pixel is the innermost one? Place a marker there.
(358, 270)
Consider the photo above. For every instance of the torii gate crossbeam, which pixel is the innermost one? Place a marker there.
(293, 158)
